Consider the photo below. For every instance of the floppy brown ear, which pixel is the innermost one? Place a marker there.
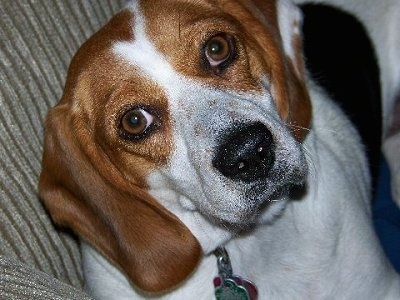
(121, 220)
(276, 28)
(290, 30)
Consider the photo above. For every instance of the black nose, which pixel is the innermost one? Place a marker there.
(246, 154)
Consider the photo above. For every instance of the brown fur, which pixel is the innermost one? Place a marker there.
(95, 182)
(255, 27)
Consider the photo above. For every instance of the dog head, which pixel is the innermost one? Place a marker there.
(174, 109)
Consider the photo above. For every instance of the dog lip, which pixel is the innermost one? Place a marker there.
(259, 197)
(279, 185)
(252, 199)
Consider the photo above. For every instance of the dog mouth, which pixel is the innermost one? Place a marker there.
(239, 169)
(240, 205)
(262, 203)
(256, 173)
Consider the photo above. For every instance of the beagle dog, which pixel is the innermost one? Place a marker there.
(187, 127)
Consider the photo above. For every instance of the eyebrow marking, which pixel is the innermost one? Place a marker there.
(142, 53)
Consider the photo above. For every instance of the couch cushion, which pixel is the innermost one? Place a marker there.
(38, 40)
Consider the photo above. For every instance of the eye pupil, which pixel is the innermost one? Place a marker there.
(136, 121)
(216, 47)
(219, 50)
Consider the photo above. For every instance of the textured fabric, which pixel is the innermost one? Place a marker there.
(22, 282)
(37, 41)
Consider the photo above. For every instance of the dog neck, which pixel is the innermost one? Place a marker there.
(207, 233)
(316, 238)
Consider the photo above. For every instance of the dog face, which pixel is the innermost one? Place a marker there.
(172, 109)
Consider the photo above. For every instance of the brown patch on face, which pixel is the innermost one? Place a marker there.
(93, 179)
(182, 29)
(97, 50)
(101, 88)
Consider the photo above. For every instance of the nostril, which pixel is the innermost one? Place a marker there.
(246, 153)
(241, 166)
(234, 168)
(264, 148)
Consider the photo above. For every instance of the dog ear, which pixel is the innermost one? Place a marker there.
(290, 28)
(276, 27)
(121, 220)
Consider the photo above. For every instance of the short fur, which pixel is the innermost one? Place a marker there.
(151, 209)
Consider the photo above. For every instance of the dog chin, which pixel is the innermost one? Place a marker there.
(247, 218)
(274, 210)
(243, 221)
(260, 209)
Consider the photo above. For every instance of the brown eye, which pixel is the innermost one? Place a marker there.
(219, 50)
(136, 121)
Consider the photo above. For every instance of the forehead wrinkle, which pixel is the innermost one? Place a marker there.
(142, 53)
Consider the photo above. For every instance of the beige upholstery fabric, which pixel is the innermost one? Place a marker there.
(37, 41)
(22, 282)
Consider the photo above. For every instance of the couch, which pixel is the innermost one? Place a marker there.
(37, 41)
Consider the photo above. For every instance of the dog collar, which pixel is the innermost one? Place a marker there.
(228, 286)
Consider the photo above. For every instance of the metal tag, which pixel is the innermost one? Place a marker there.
(234, 288)
(229, 286)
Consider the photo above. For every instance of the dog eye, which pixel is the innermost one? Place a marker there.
(136, 121)
(219, 51)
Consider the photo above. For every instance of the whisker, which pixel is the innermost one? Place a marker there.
(297, 127)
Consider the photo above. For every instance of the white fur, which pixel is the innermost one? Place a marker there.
(190, 182)
(321, 246)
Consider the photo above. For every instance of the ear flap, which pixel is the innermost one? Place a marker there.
(276, 28)
(290, 22)
(122, 221)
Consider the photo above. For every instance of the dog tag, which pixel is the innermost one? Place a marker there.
(234, 288)
(228, 286)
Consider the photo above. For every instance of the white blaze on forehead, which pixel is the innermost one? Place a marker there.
(142, 53)
(189, 186)
(180, 90)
